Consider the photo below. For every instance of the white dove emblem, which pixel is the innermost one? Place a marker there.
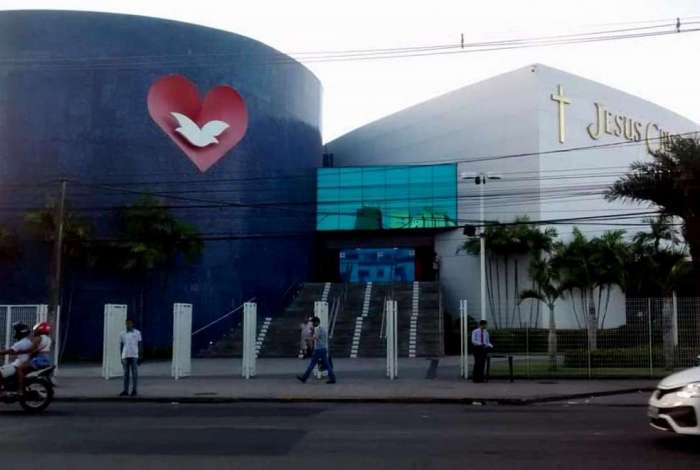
(207, 135)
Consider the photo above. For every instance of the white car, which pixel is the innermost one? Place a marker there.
(675, 404)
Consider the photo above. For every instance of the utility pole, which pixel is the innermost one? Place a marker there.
(480, 179)
(55, 287)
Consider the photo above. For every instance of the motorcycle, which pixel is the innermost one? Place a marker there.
(38, 390)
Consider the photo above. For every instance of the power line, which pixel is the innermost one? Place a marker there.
(311, 174)
(276, 58)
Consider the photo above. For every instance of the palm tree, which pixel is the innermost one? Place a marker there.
(672, 182)
(151, 239)
(611, 253)
(77, 252)
(506, 244)
(534, 242)
(547, 290)
(656, 267)
(657, 263)
(588, 267)
(41, 224)
(661, 230)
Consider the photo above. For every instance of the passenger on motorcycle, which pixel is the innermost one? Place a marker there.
(20, 349)
(41, 346)
(39, 353)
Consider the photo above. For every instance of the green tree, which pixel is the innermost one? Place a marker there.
(547, 289)
(657, 262)
(672, 182)
(78, 231)
(589, 267)
(151, 239)
(77, 251)
(506, 245)
(611, 252)
(657, 266)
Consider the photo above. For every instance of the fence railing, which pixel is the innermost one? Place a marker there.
(650, 337)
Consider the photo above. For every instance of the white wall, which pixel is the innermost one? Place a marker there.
(573, 183)
(503, 117)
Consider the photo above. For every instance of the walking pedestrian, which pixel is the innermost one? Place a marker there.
(307, 338)
(481, 344)
(320, 353)
(132, 352)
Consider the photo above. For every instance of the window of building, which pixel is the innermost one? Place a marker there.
(387, 197)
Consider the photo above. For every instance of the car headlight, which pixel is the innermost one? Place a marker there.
(690, 391)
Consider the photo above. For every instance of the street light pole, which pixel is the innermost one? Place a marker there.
(482, 245)
(480, 179)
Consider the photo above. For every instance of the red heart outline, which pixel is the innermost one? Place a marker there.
(175, 93)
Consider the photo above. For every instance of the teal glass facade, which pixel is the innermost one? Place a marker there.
(386, 197)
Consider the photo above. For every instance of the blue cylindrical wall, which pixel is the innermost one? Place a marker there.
(73, 88)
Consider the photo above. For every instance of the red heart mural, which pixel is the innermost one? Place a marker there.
(206, 130)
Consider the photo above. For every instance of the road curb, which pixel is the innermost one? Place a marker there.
(575, 396)
(388, 400)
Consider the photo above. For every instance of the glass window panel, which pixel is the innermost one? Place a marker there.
(445, 173)
(387, 197)
(328, 195)
(328, 178)
(347, 214)
(326, 219)
(374, 186)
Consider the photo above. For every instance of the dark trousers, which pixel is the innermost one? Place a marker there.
(320, 355)
(480, 353)
(131, 368)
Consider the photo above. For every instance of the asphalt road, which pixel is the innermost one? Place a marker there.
(332, 436)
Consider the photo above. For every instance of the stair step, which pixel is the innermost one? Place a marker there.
(356, 331)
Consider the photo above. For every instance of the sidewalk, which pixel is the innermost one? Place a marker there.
(359, 380)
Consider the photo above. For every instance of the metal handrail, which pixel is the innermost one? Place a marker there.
(334, 316)
(290, 294)
(199, 330)
(382, 333)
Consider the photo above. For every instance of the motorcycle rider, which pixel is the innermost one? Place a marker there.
(20, 349)
(39, 353)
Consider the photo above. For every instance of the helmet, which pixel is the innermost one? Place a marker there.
(41, 328)
(21, 330)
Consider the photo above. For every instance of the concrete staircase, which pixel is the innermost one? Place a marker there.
(358, 330)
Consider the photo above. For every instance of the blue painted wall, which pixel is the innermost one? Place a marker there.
(73, 89)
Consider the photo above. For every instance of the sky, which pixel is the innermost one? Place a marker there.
(663, 70)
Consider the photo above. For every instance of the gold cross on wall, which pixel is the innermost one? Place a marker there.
(563, 101)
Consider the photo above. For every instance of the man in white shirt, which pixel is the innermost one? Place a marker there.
(481, 343)
(132, 352)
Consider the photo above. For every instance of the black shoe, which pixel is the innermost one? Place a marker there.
(133, 393)
(301, 379)
(331, 381)
(124, 394)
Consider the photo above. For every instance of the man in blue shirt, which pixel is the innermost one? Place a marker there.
(481, 343)
(320, 353)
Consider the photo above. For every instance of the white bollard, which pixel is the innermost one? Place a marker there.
(115, 318)
(321, 311)
(250, 320)
(464, 339)
(182, 341)
(392, 345)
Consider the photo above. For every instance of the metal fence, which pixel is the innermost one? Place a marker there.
(9, 314)
(651, 338)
